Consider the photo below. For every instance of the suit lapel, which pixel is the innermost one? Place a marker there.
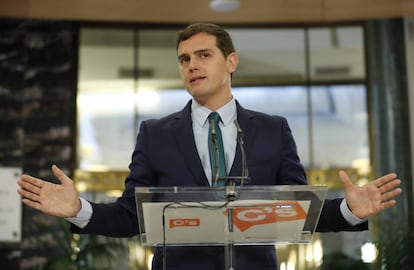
(245, 120)
(184, 137)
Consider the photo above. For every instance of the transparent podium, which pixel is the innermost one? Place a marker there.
(248, 215)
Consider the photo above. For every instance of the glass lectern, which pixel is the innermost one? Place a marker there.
(248, 215)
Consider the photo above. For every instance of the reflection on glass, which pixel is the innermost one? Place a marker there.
(336, 53)
(105, 111)
(157, 60)
(127, 75)
(339, 123)
(105, 54)
(278, 56)
(340, 130)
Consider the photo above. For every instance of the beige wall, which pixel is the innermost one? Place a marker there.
(251, 11)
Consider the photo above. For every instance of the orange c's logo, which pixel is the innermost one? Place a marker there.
(184, 222)
(247, 217)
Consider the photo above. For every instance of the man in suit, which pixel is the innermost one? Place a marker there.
(173, 151)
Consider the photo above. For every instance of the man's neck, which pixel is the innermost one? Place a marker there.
(215, 103)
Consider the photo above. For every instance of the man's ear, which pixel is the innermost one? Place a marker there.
(232, 62)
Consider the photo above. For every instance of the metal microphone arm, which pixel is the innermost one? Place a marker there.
(240, 141)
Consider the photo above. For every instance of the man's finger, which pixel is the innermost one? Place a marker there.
(385, 179)
(391, 194)
(390, 185)
(63, 178)
(388, 204)
(32, 204)
(31, 180)
(29, 195)
(29, 186)
(346, 181)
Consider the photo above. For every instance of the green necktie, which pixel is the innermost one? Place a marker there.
(214, 119)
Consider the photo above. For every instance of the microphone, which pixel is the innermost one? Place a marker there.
(213, 134)
(240, 142)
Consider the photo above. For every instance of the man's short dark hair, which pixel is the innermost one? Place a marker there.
(223, 39)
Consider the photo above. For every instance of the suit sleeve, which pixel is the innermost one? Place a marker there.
(332, 220)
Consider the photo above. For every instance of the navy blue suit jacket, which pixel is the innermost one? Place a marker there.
(166, 155)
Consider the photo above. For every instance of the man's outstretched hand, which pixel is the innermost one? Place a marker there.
(373, 197)
(61, 200)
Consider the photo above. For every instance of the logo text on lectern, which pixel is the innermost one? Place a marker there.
(247, 217)
(184, 222)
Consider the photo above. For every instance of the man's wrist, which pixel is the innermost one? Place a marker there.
(84, 214)
(78, 208)
(350, 217)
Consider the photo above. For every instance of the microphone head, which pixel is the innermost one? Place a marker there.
(212, 128)
(239, 130)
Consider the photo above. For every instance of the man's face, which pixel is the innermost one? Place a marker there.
(206, 73)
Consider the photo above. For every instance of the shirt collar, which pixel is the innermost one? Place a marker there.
(200, 113)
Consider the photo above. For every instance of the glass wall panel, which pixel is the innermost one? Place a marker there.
(105, 99)
(157, 60)
(336, 53)
(340, 126)
(269, 56)
(286, 101)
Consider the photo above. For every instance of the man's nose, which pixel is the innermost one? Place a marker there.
(193, 64)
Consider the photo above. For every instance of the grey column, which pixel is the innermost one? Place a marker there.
(390, 138)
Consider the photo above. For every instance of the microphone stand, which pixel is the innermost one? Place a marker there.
(231, 193)
(229, 247)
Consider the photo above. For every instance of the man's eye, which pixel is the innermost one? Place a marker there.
(184, 60)
(205, 55)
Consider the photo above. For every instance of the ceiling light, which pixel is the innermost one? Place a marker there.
(224, 5)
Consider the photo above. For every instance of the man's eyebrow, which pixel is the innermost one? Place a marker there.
(196, 52)
(182, 55)
(201, 51)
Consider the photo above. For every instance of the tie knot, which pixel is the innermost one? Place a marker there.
(214, 116)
